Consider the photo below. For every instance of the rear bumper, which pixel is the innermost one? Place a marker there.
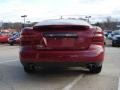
(13, 41)
(95, 54)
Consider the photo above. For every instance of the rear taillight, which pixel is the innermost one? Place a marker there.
(30, 37)
(98, 36)
(26, 37)
(25, 40)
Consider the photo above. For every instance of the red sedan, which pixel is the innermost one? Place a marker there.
(62, 43)
(3, 38)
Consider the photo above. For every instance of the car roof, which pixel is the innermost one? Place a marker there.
(63, 22)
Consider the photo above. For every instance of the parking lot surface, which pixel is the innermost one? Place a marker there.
(13, 77)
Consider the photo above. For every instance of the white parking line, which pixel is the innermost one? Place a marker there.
(119, 84)
(8, 61)
(70, 85)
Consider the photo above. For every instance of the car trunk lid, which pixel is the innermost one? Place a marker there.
(63, 37)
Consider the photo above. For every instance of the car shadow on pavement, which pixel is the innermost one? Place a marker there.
(61, 71)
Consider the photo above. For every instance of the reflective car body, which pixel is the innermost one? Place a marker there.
(3, 37)
(116, 41)
(62, 43)
(14, 39)
(116, 38)
(113, 33)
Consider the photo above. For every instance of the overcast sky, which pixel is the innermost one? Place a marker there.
(11, 10)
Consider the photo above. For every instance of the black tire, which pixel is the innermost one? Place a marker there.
(113, 44)
(11, 44)
(95, 69)
(29, 69)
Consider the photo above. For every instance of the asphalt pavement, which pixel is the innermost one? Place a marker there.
(13, 77)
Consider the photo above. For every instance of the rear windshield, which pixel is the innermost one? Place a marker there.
(61, 27)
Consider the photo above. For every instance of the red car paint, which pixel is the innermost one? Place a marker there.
(62, 42)
(3, 38)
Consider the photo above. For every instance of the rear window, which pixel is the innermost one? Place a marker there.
(61, 27)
